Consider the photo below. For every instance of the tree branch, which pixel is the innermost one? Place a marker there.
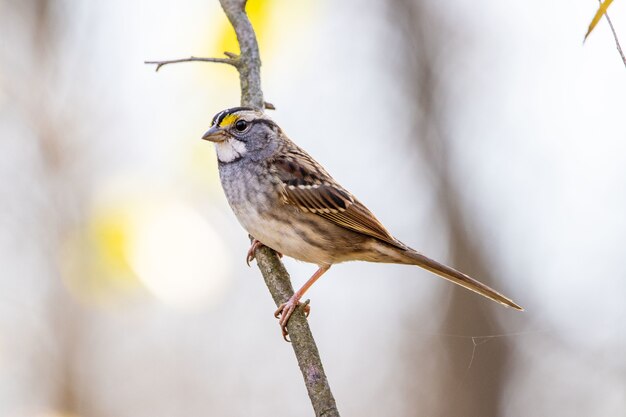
(277, 280)
(274, 273)
(276, 277)
(250, 59)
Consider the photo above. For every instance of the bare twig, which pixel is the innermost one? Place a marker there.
(230, 60)
(619, 47)
(276, 277)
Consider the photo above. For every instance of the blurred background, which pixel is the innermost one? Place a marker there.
(483, 134)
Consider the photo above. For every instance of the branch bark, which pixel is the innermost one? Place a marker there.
(276, 277)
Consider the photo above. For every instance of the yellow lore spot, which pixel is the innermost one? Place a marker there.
(228, 120)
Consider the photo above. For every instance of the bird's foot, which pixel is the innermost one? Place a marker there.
(256, 244)
(285, 310)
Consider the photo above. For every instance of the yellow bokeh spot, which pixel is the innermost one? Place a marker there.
(94, 258)
(140, 240)
(110, 233)
(273, 21)
(259, 14)
(178, 256)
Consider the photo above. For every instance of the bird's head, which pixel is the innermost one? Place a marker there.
(242, 132)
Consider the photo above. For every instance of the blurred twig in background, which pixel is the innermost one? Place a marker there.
(426, 35)
(603, 10)
(47, 198)
(617, 44)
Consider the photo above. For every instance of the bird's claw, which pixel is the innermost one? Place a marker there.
(285, 310)
(252, 251)
(256, 244)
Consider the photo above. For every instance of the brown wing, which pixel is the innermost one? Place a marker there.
(306, 185)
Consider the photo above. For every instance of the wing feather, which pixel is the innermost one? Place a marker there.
(307, 186)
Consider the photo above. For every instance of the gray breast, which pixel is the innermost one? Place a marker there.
(255, 200)
(246, 187)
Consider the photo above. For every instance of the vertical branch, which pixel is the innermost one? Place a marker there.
(249, 65)
(276, 277)
(273, 271)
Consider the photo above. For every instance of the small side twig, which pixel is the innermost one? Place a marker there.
(231, 60)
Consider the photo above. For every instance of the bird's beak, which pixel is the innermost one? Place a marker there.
(215, 134)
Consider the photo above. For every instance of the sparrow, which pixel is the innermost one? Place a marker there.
(287, 201)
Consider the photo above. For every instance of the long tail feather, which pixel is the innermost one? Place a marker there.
(459, 278)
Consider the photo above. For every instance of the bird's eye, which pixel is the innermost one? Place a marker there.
(241, 125)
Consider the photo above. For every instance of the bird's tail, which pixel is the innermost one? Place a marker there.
(459, 278)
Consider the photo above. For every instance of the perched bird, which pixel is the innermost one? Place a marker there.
(287, 201)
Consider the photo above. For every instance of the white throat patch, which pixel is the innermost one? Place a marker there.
(229, 150)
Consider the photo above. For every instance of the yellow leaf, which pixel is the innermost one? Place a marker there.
(601, 11)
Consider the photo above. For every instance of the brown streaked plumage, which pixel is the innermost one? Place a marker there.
(287, 201)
